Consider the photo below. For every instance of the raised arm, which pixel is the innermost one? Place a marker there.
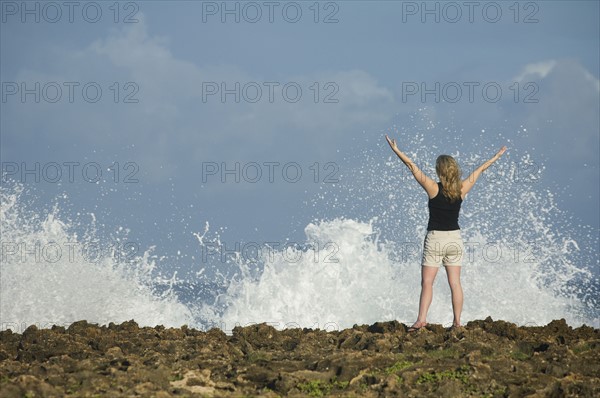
(427, 183)
(468, 183)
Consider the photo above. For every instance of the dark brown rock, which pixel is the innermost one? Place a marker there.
(485, 358)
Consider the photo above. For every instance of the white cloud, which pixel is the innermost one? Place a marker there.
(538, 70)
(171, 127)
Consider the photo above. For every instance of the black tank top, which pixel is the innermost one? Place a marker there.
(443, 215)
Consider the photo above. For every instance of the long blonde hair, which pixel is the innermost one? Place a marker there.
(449, 173)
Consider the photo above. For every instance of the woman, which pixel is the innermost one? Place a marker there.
(443, 243)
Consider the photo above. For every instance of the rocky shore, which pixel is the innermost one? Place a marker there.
(486, 358)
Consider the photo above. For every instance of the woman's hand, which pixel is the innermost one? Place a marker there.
(392, 143)
(496, 157)
(468, 183)
(500, 152)
(427, 183)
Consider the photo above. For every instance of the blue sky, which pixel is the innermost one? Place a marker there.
(165, 128)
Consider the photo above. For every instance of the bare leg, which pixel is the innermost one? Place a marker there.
(427, 277)
(457, 293)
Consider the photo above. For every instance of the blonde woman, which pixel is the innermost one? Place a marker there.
(443, 243)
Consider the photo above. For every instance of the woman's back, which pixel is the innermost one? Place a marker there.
(443, 213)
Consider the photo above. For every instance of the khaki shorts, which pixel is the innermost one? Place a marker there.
(443, 247)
